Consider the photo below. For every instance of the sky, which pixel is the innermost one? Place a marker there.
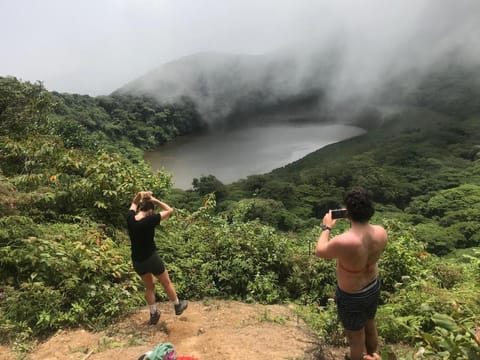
(96, 46)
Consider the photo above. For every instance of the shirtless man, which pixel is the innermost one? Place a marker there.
(357, 252)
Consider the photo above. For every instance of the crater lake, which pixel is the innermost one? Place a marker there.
(231, 155)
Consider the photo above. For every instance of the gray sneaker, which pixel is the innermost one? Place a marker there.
(154, 318)
(180, 307)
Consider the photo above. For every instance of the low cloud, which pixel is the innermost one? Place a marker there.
(95, 47)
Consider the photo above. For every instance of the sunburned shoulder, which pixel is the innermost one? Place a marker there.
(380, 230)
(352, 238)
(348, 238)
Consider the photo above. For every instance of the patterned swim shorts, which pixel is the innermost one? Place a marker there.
(354, 309)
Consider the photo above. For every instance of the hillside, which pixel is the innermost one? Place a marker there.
(66, 182)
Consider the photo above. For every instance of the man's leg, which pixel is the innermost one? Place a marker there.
(356, 340)
(371, 336)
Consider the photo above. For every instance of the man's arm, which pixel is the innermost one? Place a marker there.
(322, 244)
(327, 249)
(166, 210)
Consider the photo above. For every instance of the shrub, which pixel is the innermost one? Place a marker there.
(65, 275)
(403, 256)
(453, 338)
(229, 256)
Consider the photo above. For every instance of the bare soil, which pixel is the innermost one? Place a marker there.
(208, 330)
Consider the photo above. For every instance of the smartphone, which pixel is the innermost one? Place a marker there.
(339, 213)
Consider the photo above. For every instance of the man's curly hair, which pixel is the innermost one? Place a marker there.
(359, 206)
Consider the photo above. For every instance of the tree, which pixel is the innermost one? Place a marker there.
(209, 184)
(23, 107)
(267, 211)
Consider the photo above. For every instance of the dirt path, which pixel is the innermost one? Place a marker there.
(209, 330)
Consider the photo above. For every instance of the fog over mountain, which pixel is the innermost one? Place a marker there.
(267, 49)
(228, 87)
(341, 69)
(224, 84)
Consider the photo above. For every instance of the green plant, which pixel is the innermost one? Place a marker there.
(453, 338)
(264, 288)
(323, 320)
(403, 256)
(267, 317)
(66, 275)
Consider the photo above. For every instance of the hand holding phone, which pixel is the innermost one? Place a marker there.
(339, 213)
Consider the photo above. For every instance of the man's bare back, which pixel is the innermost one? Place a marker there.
(357, 264)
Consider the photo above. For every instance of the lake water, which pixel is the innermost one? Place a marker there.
(235, 154)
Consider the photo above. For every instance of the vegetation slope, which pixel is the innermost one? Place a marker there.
(69, 168)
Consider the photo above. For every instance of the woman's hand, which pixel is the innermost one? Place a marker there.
(146, 195)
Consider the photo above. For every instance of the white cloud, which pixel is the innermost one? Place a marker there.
(96, 46)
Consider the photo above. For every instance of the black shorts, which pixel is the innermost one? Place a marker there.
(153, 264)
(354, 309)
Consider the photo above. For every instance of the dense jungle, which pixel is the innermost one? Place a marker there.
(70, 165)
